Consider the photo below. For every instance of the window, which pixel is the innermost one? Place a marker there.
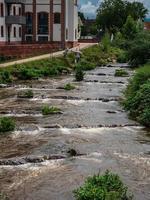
(75, 34)
(14, 10)
(14, 32)
(29, 23)
(20, 31)
(43, 23)
(20, 11)
(2, 31)
(56, 18)
(42, 38)
(1, 9)
(29, 39)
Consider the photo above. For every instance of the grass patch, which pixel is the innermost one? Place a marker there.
(91, 57)
(26, 94)
(47, 110)
(69, 86)
(6, 125)
(121, 73)
(103, 187)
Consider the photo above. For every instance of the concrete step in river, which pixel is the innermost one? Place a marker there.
(34, 159)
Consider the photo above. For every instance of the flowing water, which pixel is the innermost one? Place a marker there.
(34, 163)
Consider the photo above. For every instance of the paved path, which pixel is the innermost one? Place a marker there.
(56, 54)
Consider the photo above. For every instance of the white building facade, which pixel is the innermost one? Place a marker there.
(38, 21)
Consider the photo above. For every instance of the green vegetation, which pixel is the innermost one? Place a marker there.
(139, 49)
(109, 10)
(35, 69)
(4, 59)
(69, 86)
(79, 74)
(47, 110)
(137, 96)
(6, 125)
(91, 57)
(26, 94)
(103, 187)
(3, 196)
(5, 77)
(121, 72)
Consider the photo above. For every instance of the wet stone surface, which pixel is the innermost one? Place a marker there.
(94, 129)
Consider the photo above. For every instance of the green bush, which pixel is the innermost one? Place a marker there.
(121, 73)
(105, 43)
(130, 28)
(141, 76)
(138, 49)
(69, 86)
(103, 187)
(86, 65)
(25, 73)
(26, 94)
(144, 117)
(79, 75)
(122, 57)
(95, 56)
(139, 53)
(46, 110)
(5, 77)
(6, 124)
(139, 105)
(137, 96)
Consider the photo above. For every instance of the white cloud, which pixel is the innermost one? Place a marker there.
(88, 8)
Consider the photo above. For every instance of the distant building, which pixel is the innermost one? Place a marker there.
(38, 22)
(147, 23)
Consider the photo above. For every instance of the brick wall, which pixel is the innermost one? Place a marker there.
(26, 50)
(94, 40)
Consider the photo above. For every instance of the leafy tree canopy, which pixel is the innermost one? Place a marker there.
(112, 14)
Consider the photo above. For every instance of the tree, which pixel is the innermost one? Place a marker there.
(81, 15)
(112, 14)
(130, 28)
(136, 10)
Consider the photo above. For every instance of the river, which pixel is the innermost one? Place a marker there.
(34, 159)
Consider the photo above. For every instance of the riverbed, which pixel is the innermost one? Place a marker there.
(34, 159)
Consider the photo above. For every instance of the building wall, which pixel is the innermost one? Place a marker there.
(57, 32)
(2, 24)
(13, 38)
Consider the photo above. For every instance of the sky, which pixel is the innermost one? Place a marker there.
(89, 7)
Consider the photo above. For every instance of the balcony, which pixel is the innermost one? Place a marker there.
(21, 20)
(15, 1)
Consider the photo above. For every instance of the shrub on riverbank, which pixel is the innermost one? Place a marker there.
(121, 73)
(137, 49)
(79, 75)
(5, 77)
(47, 110)
(6, 125)
(69, 86)
(137, 96)
(26, 94)
(103, 187)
